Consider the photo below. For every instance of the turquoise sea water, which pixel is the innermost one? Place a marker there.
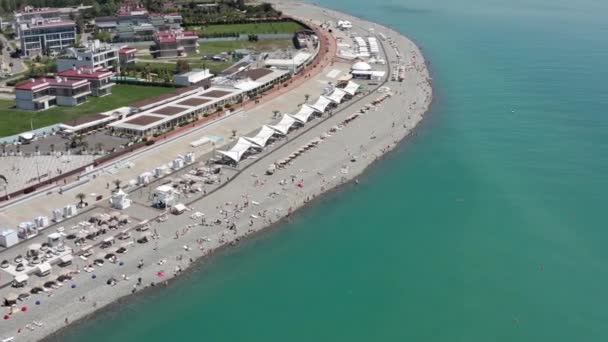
(489, 225)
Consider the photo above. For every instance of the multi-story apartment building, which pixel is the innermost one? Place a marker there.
(43, 93)
(133, 21)
(100, 80)
(93, 55)
(44, 36)
(175, 43)
(29, 12)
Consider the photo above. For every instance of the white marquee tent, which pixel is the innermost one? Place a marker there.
(351, 88)
(261, 139)
(321, 104)
(304, 114)
(284, 125)
(337, 95)
(238, 150)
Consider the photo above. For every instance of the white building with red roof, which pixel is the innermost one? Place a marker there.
(99, 79)
(43, 93)
(126, 55)
(175, 43)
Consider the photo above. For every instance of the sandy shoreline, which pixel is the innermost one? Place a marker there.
(320, 170)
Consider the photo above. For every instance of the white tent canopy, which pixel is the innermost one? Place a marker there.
(337, 95)
(304, 114)
(262, 137)
(284, 125)
(321, 104)
(238, 150)
(351, 88)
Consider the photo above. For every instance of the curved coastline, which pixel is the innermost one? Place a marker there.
(385, 139)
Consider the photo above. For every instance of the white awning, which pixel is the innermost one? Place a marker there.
(22, 278)
(199, 142)
(284, 125)
(304, 114)
(66, 258)
(44, 267)
(247, 85)
(351, 88)
(237, 151)
(179, 207)
(262, 137)
(337, 95)
(321, 104)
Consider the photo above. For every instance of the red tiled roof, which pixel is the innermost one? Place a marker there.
(40, 83)
(67, 83)
(125, 50)
(85, 73)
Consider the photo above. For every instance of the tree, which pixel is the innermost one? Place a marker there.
(182, 66)
(81, 196)
(52, 147)
(99, 147)
(117, 183)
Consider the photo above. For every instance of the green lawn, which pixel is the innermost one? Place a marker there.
(213, 48)
(252, 28)
(13, 120)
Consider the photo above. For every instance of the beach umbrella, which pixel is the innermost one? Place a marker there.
(160, 274)
(93, 276)
(24, 309)
(6, 317)
(73, 286)
(37, 302)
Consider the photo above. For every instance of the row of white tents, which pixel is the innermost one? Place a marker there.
(245, 145)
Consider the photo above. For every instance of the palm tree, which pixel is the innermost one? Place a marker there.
(52, 147)
(306, 98)
(81, 196)
(275, 113)
(234, 133)
(117, 183)
(99, 147)
(4, 147)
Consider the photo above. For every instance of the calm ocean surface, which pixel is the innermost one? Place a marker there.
(489, 225)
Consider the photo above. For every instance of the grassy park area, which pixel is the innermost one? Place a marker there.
(14, 121)
(249, 28)
(209, 49)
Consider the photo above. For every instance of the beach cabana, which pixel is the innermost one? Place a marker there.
(237, 151)
(284, 125)
(304, 114)
(44, 269)
(322, 104)
(337, 95)
(351, 88)
(261, 139)
(65, 260)
(20, 280)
